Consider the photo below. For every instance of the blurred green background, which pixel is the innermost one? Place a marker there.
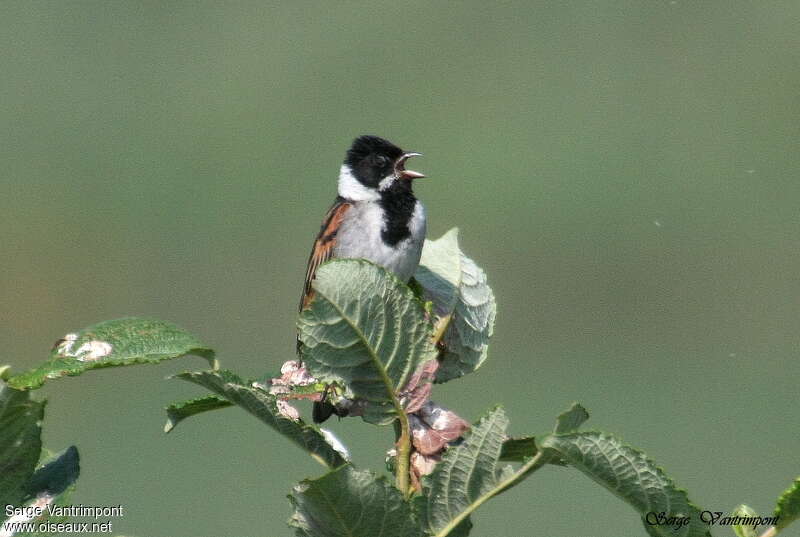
(626, 173)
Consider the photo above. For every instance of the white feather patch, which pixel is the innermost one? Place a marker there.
(350, 188)
(386, 182)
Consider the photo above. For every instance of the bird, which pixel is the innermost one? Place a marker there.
(375, 217)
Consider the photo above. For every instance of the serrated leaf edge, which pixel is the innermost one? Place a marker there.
(785, 498)
(658, 469)
(190, 376)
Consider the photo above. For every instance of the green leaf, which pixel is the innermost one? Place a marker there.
(113, 343)
(572, 418)
(264, 406)
(788, 508)
(56, 475)
(20, 443)
(522, 449)
(366, 330)
(462, 299)
(177, 412)
(631, 476)
(467, 476)
(439, 272)
(518, 449)
(350, 503)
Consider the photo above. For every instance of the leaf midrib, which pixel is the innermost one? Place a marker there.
(377, 364)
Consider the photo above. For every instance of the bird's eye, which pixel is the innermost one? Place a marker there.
(381, 161)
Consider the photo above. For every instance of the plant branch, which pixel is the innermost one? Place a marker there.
(404, 439)
(403, 470)
(402, 480)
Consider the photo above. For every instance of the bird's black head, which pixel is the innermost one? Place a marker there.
(372, 159)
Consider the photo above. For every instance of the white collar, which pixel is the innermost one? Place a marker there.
(351, 188)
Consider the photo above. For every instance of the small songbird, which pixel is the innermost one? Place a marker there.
(375, 217)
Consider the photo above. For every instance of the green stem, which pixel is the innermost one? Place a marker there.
(402, 480)
(403, 455)
(538, 460)
(441, 327)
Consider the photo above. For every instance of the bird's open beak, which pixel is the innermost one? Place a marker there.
(400, 167)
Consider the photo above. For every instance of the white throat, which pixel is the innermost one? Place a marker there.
(350, 188)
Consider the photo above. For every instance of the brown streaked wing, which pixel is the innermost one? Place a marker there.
(323, 246)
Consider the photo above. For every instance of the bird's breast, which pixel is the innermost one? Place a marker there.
(362, 235)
